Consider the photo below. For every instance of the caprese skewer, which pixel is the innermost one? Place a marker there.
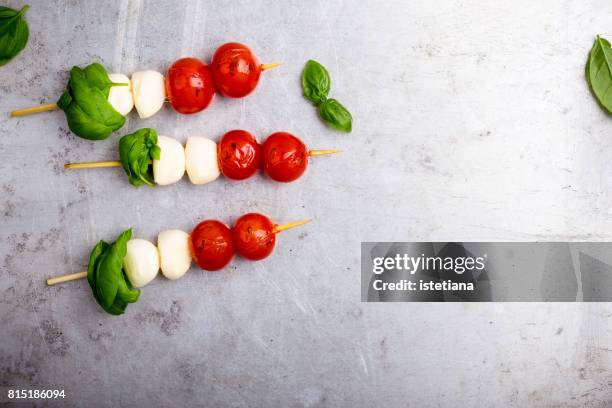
(97, 102)
(117, 270)
(148, 158)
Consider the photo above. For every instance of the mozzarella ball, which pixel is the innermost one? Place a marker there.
(201, 160)
(171, 164)
(149, 92)
(120, 96)
(141, 263)
(174, 253)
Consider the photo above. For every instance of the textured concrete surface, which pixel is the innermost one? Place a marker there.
(472, 122)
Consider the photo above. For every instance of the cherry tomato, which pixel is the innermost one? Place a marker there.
(239, 155)
(189, 85)
(213, 246)
(284, 156)
(254, 236)
(236, 70)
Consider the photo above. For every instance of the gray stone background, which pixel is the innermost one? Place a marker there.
(472, 122)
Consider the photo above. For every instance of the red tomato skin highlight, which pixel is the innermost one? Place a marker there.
(284, 157)
(213, 245)
(238, 155)
(190, 85)
(254, 236)
(236, 70)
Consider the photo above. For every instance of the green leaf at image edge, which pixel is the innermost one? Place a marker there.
(336, 115)
(109, 284)
(599, 73)
(14, 33)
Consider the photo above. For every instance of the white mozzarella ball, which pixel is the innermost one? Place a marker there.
(171, 164)
(141, 263)
(201, 160)
(149, 92)
(174, 253)
(120, 96)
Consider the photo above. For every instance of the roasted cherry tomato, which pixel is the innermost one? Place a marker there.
(213, 246)
(284, 157)
(254, 236)
(189, 85)
(239, 155)
(236, 70)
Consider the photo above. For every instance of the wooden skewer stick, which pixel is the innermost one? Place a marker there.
(313, 153)
(92, 165)
(66, 278)
(83, 275)
(289, 225)
(270, 66)
(34, 109)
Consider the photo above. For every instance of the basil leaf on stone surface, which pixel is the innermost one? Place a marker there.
(136, 151)
(14, 33)
(109, 284)
(86, 105)
(599, 73)
(315, 82)
(336, 115)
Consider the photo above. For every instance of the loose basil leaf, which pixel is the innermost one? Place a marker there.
(315, 82)
(86, 105)
(109, 284)
(14, 33)
(599, 73)
(336, 115)
(136, 151)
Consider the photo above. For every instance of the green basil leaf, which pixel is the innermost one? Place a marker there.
(14, 33)
(92, 268)
(336, 115)
(156, 152)
(98, 77)
(315, 82)
(85, 103)
(125, 292)
(117, 308)
(136, 151)
(599, 73)
(106, 277)
(106, 280)
(6, 12)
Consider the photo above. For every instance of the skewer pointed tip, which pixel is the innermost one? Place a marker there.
(285, 227)
(270, 66)
(313, 153)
